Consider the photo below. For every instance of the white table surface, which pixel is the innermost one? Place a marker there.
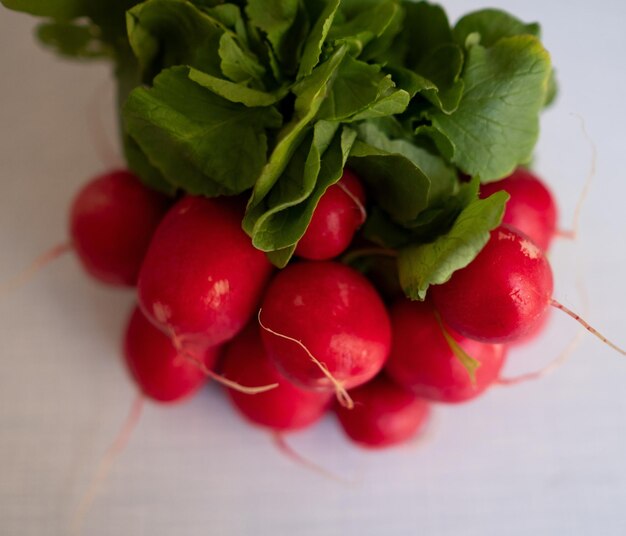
(543, 458)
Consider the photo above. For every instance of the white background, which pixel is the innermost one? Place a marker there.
(543, 458)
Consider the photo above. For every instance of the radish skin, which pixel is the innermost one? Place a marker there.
(285, 408)
(421, 359)
(112, 221)
(159, 369)
(324, 313)
(202, 279)
(385, 414)
(339, 213)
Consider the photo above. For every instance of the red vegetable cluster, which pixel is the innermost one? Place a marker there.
(317, 335)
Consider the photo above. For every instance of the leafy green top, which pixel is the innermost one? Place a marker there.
(275, 97)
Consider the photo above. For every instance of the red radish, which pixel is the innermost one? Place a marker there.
(384, 414)
(325, 326)
(339, 213)
(160, 370)
(421, 359)
(284, 408)
(531, 208)
(112, 221)
(502, 294)
(202, 278)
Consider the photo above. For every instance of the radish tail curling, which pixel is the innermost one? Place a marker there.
(35, 267)
(587, 326)
(342, 394)
(106, 463)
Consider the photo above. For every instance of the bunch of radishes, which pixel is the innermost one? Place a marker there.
(287, 342)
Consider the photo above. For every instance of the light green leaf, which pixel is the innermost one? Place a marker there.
(313, 44)
(361, 91)
(310, 93)
(199, 141)
(469, 363)
(496, 125)
(492, 25)
(317, 164)
(236, 92)
(422, 265)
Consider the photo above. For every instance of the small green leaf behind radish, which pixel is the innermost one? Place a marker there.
(423, 360)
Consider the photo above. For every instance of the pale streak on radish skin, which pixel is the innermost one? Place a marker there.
(356, 201)
(340, 391)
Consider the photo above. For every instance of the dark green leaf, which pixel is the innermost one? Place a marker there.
(199, 141)
(165, 33)
(313, 44)
(74, 40)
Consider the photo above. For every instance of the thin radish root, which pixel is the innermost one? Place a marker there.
(340, 391)
(587, 326)
(356, 201)
(36, 266)
(281, 443)
(550, 368)
(106, 463)
(225, 381)
(572, 233)
(179, 344)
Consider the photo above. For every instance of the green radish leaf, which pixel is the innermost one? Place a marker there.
(422, 265)
(492, 25)
(317, 164)
(470, 364)
(496, 124)
(443, 65)
(286, 25)
(312, 48)
(165, 33)
(366, 26)
(74, 40)
(139, 163)
(361, 91)
(199, 142)
(236, 92)
(310, 93)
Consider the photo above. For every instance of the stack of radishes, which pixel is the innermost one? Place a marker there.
(291, 344)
